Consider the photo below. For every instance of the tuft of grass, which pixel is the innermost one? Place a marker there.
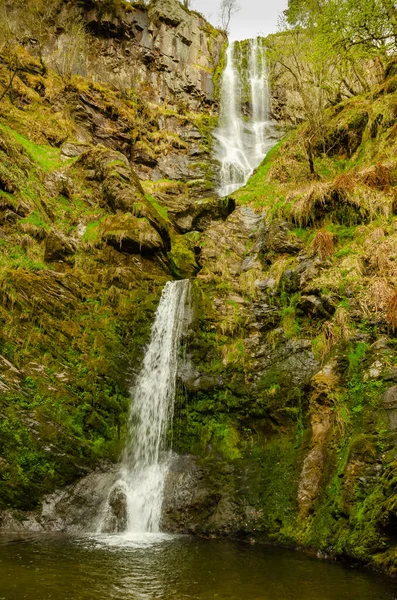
(323, 244)
(391, 310)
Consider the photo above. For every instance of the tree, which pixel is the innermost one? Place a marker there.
(306, 69)
(331, 50)
(72, 47)
(227, 10)
(371, 24)
(37, 17)
(11, 40)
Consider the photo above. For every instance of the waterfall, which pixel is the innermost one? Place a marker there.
(244, 134)
(134, 502)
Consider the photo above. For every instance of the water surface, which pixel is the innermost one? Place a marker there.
(173, 568)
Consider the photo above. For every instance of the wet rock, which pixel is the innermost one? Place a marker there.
(10, 523)
(266, 284)
(131, 235)
(289, 281)
(58, 247)
(189, 215)
(74, 509)
(390, 374)
(73, 149)
(311, 478)
(188, 500)
(194, 381)
(116, 517)
(293, 363)
(390, 405)
(312, 306)
(266, 316)
(278, 238)
(375, 370)
(309, 269)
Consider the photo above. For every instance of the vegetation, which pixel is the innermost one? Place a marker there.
(290, 405)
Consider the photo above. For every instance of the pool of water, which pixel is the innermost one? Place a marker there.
(173, 568)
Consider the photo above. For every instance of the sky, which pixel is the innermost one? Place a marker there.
(256, 17)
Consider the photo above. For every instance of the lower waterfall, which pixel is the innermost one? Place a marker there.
(135, 500)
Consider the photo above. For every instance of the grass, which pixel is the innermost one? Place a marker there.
(48, 158)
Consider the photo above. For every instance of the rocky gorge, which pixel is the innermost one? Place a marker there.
(286, 417)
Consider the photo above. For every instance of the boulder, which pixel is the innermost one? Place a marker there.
(58, 248)
(131, 235)
(76, 508)
(116, 511)
(390, 405)
(73, 149)
(278, 238)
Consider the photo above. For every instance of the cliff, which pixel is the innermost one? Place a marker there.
(104, 172)
(291, 366)
(287, 420)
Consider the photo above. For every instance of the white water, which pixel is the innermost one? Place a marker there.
(146, 458)
(243, 140)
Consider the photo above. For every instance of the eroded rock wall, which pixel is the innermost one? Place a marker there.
(106, 182)
(163, 51)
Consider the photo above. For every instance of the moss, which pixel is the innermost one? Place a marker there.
(47, 158)
(182, 257)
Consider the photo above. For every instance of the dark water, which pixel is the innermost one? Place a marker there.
(59, 568)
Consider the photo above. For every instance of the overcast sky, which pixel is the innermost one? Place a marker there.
(256, 17)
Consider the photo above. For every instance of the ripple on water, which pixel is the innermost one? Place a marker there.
(134, 540)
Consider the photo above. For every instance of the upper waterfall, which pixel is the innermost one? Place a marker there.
(134, 503)
(244, 134)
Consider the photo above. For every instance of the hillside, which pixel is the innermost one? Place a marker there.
(286, 417)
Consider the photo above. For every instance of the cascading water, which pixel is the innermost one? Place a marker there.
(134, 502)
(243, 139)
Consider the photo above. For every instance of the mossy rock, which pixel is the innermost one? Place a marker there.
(127, 233)
(182, 257)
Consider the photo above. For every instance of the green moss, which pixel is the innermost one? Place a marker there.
(92, 233)
(161, 210)
(48, 158)
(182, 257)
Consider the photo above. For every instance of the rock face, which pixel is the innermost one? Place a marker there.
(164, 51)
(75, 509)
(106, 185)
(286, 423)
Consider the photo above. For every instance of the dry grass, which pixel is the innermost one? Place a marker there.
(32, 229)
(342, 322)
(287, 168)
(381, 260)
(329, 339)
(376, 296)
(305, 201)
(165, 186)
(367, 194)
(335, 331)
(377, 176)
(323, 244)
(391, 310)
(247, 282)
